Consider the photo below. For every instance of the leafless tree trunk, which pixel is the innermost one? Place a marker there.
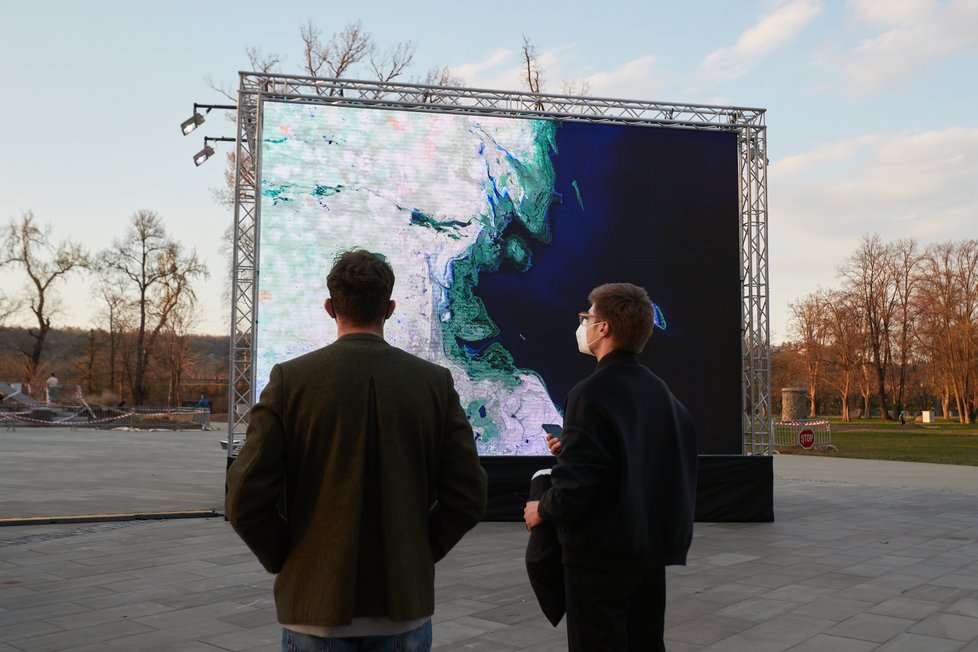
(949, 331)
(906, 262)
(157, 273)
(870, 277)
(846, 342)
(531, 60)
(808, 324)
(31, 247)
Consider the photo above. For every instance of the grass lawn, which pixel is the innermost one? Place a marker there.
(873, 439)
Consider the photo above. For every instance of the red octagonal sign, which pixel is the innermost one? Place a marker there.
(806, 438)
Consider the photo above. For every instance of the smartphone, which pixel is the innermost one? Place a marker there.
(553, 430)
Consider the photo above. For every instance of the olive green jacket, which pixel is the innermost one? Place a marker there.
(358, 473)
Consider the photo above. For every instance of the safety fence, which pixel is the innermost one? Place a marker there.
(99, 416)
(804, 433)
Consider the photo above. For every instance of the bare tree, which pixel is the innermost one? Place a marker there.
(157, 276)
(869, 274)
(439, 76)
(343, 50)
(809, 325)
(8, 306)
(116, 311)
(532, 72)
(46, 264)
(949, 317)
(905, 261)
(392, 63)
(176, 347)
(580, 88)
(846, 343)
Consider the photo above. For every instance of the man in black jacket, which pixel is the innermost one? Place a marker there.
(624, 485)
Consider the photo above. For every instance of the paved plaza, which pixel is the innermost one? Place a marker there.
(862, 556)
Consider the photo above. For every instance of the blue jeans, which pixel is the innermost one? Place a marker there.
(416, 640)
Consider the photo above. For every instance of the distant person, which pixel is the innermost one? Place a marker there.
(203, 402)
(359, 472)
(51, 389)
(624, 487)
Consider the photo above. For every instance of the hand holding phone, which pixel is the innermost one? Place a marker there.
(554, 433)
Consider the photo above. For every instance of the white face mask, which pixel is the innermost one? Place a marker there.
(582, 344)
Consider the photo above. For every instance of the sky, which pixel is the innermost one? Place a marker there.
(871, 108)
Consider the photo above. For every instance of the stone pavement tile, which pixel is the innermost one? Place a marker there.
(835, 580)
(511, 614)
(267, 635)
(958, 580)
(559, 646)
(872, 592)
(774, 635)
(175, 638)
(257, 617)
(474, 645)
(757, 609)
(970, 647)
(906, 608)
(58, 586)
(235, 592)
(827, 643)
(870, 627)
(99, 616)
(451, 609)
(833, 607)
(801, 593)
(730, 593)
(934, 593)
(33, 599)
(703, 633)
(681, 608)
(182, 618)
(918, 643)
(964, 607)
(526, 635)
(451, 631)
(959, 628)
(75, 638)
(136, 583)
(39, 612)
(26, 629)
(144, 594)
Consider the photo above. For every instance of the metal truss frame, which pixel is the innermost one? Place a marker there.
(748, 123)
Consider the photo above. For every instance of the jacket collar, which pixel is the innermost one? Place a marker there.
(362, 337)
(617, 357)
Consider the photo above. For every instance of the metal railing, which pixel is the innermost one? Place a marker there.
(804, 433)
(100, 416)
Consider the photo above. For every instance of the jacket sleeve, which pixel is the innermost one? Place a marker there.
(256, 481)
(581, 478)
(460, 484)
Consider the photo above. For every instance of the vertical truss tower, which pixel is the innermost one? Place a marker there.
(748, 123)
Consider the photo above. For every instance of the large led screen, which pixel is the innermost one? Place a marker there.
(497, 229)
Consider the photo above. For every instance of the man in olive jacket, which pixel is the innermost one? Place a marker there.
(358, 473)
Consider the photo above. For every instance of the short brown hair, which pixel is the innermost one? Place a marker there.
(360, 286)
(628, 310)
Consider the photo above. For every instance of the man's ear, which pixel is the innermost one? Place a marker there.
(329, 308)
(390, 309)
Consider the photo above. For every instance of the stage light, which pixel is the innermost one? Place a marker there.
(203, 155)
(191, 123)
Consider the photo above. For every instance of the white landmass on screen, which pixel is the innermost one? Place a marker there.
(373, 167)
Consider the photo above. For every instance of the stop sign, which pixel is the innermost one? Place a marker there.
(806, 438)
